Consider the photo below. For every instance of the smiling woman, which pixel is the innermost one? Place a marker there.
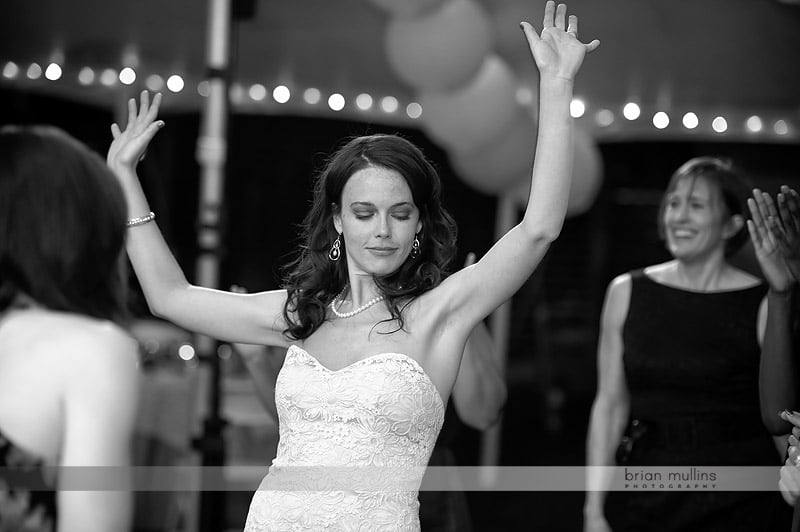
(678, 359)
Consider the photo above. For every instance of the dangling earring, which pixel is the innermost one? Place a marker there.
(335, 253)
(415, 248)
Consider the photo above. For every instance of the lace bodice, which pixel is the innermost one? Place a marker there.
(380, 414)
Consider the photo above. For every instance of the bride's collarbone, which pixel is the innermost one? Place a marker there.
(337, 347)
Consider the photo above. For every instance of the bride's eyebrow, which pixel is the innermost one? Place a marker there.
(370, 204)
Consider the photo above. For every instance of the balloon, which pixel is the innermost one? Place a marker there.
(509, 42)
(587, 176)
(475, 114)
(441, 49)
(407, 8)
(506, 161)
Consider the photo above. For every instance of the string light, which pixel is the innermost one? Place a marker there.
(577, 108)
(631, 111)
(364, 101)
(414, 110)
(155, 83)
(312, 96)
(719, 124)
(86, 76)
(754, 124)
(336, 101)
(604, 117)
(127, 76)
(389, 104)
(175, 83)
(10, 70)
(281, 94)
(53, 72)
(736, 124)
(204, 88)
(34, 71)
(661, 120)
(690, 120)
(257, 92)
(108, 77)
(186, 352)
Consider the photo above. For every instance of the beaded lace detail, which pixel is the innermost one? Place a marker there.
(379, 414)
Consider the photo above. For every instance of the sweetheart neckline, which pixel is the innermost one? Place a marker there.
(370, 357)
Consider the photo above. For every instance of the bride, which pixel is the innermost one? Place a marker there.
(374, 328)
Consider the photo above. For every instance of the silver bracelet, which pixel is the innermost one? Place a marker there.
(142, 220)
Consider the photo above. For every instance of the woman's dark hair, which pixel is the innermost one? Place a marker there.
(733, 189)
(62, 224)
(313, 280)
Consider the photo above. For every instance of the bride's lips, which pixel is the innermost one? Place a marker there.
(382, 251)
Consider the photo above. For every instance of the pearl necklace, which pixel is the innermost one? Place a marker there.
(352, 313)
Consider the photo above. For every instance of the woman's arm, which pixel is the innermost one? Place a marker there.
(611, 405)
(250, 318)
(100, 401)
(474, 292)
(263, 365)
(777, 371)
(777, 368)
(479, 394)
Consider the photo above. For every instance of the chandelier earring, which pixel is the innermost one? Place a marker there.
(415, 248)
(335, 252)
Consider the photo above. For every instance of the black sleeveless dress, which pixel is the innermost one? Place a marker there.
(27, 493)
(691, 365)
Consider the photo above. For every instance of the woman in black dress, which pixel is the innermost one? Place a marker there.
(678, 363)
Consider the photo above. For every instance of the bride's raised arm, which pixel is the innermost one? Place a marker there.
(474, 292)
(248, 318)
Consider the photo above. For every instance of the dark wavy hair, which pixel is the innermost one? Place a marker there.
(313, 280)
(733, 189)
(62, 224)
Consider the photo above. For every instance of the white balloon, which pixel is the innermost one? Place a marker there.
(475, 114)
(504, 163)
(587, 176)
(441, 49)
(407, 8)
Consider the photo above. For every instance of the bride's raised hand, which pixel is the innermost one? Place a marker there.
(130, 144)
(557, 51)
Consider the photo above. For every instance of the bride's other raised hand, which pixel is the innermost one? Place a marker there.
(557, 51)
(130, 144)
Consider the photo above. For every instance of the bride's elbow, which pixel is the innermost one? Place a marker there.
(543, 236)
(542, 232)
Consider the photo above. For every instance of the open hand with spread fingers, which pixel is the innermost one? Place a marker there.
(769, 255)
(557, 51)
(130, 144)
(785, 228)
(765, 232)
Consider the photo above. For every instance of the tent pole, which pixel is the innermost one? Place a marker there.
(211, 155)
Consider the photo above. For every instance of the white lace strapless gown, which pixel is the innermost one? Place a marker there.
(380, 414)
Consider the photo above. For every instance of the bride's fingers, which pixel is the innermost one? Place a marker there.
(153, 111)
(131, 114)
(530, 33)
(144, 103)
(549, 14)
(115, 132)
(573, 25)
(561, 16)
